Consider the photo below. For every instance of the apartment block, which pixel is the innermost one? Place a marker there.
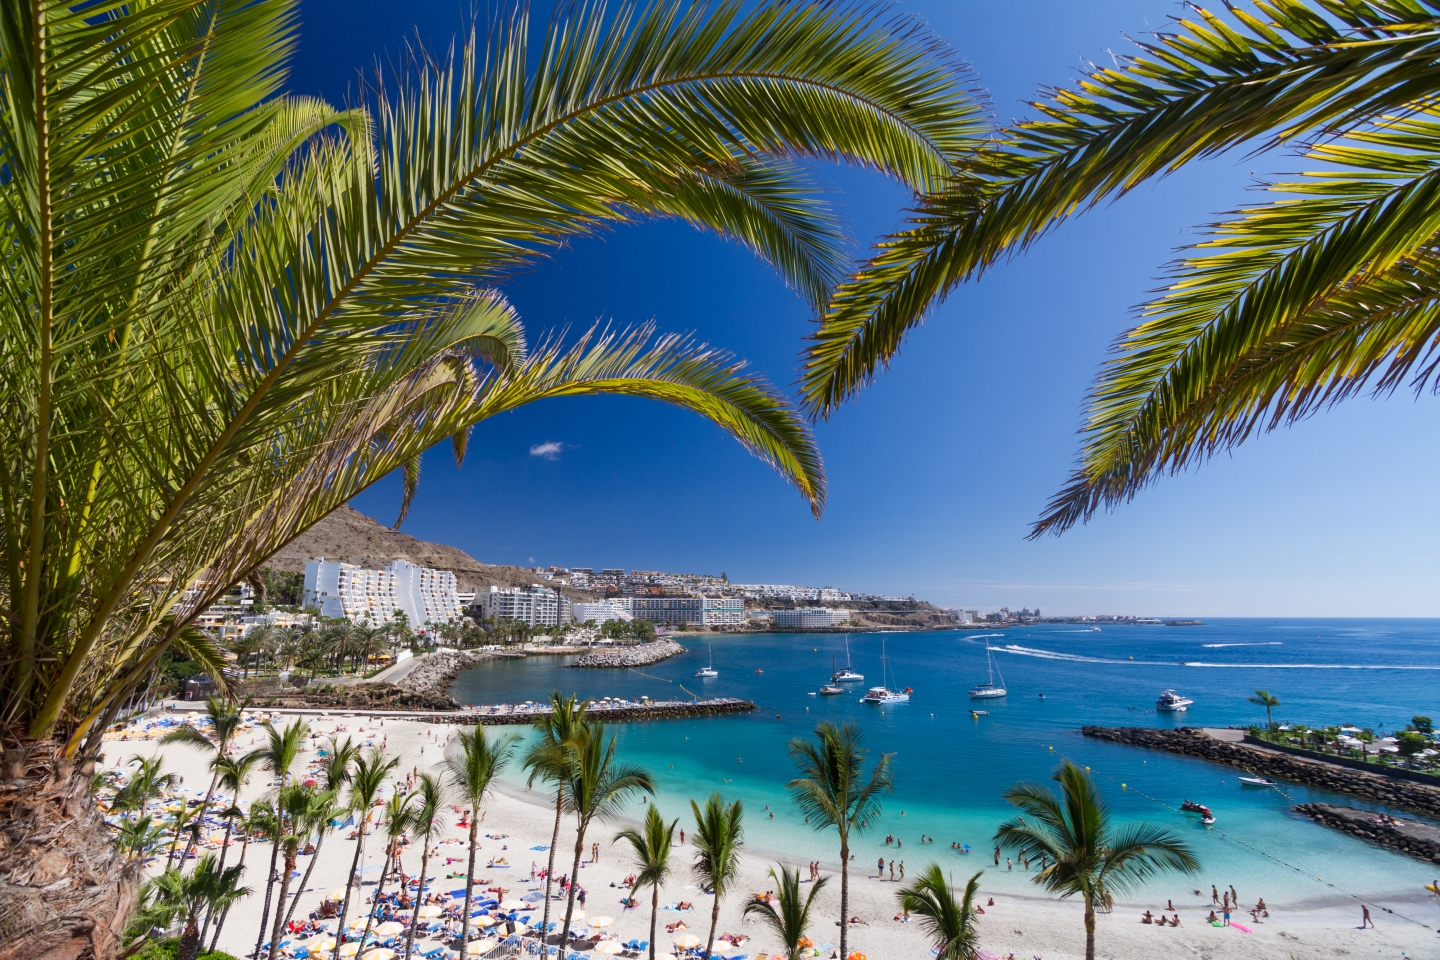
(804, 617)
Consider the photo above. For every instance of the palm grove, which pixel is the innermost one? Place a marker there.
(230, 309)
(1082, 851)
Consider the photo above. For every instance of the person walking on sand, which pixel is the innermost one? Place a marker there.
(892, 871)
(997, 855)
(880, 868)
(902, 869)
(1214, 896)
(1365, 920)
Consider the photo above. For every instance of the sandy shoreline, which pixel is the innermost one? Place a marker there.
(1027, 926)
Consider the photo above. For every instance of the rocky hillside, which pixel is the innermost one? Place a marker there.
(349, 535)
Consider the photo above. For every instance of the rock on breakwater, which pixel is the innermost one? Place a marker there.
(1419, 840)
(436, 670)
(1191, 742)
(638, 656)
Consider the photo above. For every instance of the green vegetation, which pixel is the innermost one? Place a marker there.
(1267, 700)
(949, 921)
(1288, 306)
(789, 917)
(1084, 852)
(651, 848)
(719, 835)
(1358, 744)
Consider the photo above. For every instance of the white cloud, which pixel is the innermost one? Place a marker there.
(550, 450)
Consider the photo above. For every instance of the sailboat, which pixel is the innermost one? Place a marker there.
(884, 694)
(989, 690)
(709, 671)
(847, 675)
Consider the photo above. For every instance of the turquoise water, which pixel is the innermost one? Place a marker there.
(951, 769)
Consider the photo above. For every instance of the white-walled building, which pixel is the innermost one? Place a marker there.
(809, 617)
(724, 612)
(537, 605)
(602, 611)
(359, 595)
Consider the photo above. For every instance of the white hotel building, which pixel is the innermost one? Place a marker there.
(537, 605)
(807, 617)
(345, 590)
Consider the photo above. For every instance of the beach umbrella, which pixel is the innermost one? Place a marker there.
(379, 953)
(480, 947)
(484, 921)
(986, 955)
(611, 947)
(514, 905)
(601, 921)
(579, 914)
(323, 945)
(350, 949)
(389, 929)
(688, 941)
(358, 923)
(336, 895)
(429, 911)
(726, 949)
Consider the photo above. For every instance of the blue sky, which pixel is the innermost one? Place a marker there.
(935, 472)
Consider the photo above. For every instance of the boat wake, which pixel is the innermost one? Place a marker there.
(1268, 643)
(1020, 651)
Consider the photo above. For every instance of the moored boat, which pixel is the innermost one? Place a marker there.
(989, 690)
(1257, 782)
(1172, 702)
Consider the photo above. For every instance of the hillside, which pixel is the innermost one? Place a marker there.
(350, 536)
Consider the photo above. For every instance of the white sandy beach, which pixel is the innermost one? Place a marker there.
(1025, 926)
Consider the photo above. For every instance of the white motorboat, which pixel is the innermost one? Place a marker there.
(990, 689)
(847, 675)
(830, 689)
(1257, 782)
(883, 694)
(1172, 702)
(708, 671)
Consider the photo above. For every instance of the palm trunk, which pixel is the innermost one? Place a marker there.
(224, 849)
(379, 889)
(844, 894)
(170, 858)
(345, 904)
(279, 927)
(654, 914)
(305, 880)
(1089, 929)
(221, 922)
(419, 900)
(269, 891)
(189, 946)
(550, 867)
(574, 885)
(714, 923)
(200, 814)
(470, 885)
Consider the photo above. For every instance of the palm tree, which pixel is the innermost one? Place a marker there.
(549, 759)
(139, 837)
(185, 819)
(1090, 856)
(180, 897)
(306, 809)
(234, 774)
(429, 803)
(718, 839)
(791, 916)
(248, 644)
(833, 791)
(596, 788)
(652, 859)
(225, 719)
(949, 922)
(290, 302)
(277, 756)
(400, 816)
(262, 820)
(1286, 308)
(335, 772)
(371, 772)
(148, 782)
(1266, 699)
(471, 775)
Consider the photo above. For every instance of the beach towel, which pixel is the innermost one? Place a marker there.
(540, 848)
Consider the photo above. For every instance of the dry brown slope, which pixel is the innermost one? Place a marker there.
(348, 535)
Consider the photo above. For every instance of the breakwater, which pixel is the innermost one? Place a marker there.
(502, 714)
(435, 671)
(1419, 840)
(637, 656)
(1192, 742)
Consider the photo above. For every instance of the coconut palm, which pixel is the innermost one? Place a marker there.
(282, 747)
(651, 847)
(335, 773)
(718, 837)
(371, 772)
(305, 809)
(138, 838)
(247, 645)
(596, 788)
(260, 821)
(429, 805)
(231, 311)
(178, 897)
(147, 783)
(1088, 854)
(950, 922)
(184, 820)
(1289, 306)
(470, 776)
(225, 719)
(400, 817)
(549, 759)
(833, 790)
(1266, 699)
(789, 917)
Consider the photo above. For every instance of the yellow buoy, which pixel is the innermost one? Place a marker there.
(1122, 786)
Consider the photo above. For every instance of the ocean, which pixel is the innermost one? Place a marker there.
(950, 769)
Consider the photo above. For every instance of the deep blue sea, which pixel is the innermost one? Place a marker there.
(950, 769)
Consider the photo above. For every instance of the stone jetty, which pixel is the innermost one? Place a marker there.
(638, 656)
(1419, 840)
(1193, 742)
(619, 711)
(434, 671)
